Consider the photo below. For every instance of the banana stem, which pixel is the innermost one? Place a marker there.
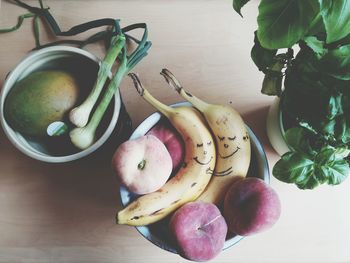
(164, 109)
(175, 84)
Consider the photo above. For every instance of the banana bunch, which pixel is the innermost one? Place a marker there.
(191, 179)
(232, 142)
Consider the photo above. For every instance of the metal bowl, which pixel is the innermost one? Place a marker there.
(158, 233)
(84, 66)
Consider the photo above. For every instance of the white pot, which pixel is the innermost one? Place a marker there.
(274, 128)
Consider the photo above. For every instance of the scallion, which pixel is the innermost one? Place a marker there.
(79, 116)
(83, 137)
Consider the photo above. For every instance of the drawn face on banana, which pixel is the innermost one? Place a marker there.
(229, 145)
(203, 158)
(229, 148)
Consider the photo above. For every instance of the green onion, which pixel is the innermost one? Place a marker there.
(83, 137)
(79, 116)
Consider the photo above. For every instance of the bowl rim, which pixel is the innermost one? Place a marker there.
(11, 134)
(144, 127)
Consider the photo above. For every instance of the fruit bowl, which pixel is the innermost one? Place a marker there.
(159, 233)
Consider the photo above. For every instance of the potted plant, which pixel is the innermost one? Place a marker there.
(303, 48)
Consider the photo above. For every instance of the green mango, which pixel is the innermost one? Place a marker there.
(39, 99)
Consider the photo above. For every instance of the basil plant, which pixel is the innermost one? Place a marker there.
(303, 48)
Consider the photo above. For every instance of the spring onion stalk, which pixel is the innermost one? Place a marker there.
(79, 116)
(83, 137)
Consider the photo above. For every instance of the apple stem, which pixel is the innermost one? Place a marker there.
(211, 221)
(141, 165)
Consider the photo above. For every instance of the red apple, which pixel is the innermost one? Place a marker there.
(165, 132)
(199, 230)
(142, 165)
(251, 206)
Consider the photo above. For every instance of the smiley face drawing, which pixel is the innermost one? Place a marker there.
(227, 142)
(204, 159)
(229, 147)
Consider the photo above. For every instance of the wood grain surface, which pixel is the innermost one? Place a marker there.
(66, 213)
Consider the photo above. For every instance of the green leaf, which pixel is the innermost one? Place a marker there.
(331, 164)
(307, 61)
(282, 23)
(311, 182)
(336, 18)
(335, 107)
(316, 45)
(297, 139)
(337, 172)
(342, 42)
(328, 166)
(308, 127)
(238, 4)
(342, 152)
(325, 156)
(293, 167)
(337, 63)
(262, 57)
(329, 130)
(320, 174)
(272, 83)
(316, 26)
(343, 130)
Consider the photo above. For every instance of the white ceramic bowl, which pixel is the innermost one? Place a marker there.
(82, 64)
(158, 233)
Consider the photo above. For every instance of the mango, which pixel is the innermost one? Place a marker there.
(39, 99)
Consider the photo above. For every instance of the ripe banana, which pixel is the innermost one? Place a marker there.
(232, 142)
(192, 178)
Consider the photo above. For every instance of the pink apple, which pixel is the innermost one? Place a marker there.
(251, 206)
(165, 132)
(143, 165)
(200, 230)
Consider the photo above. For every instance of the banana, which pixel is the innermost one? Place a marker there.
(232, 142)
(191, 179)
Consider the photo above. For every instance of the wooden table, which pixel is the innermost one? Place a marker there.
(65, 213)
